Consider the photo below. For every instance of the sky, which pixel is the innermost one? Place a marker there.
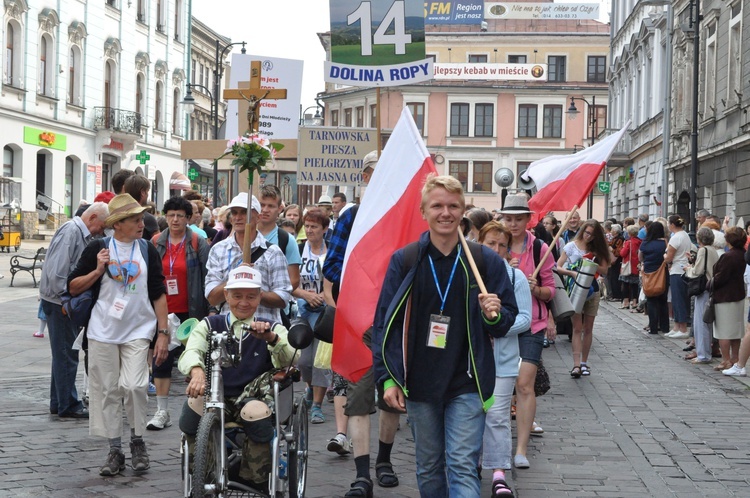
(283, 28)
(274, 28)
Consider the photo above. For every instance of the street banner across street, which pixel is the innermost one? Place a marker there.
(523, 10)
(480, 71)
(333, 156)
(279, 119)
(377, 43)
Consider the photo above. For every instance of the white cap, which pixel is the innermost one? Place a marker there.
(244, 277)
(240, 201)
(325, 200)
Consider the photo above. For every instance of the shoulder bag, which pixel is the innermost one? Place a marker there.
(541, 382)
(697, 285)
(655, 283)
(626, 268)
(709, 310)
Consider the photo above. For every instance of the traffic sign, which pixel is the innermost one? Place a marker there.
(604, 187)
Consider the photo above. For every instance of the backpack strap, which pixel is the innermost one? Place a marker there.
(283, 236)
(257, 253)
(476, 252)
(411, 253)
(194, 242)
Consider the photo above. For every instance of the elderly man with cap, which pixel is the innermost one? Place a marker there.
(130, 306)
(247, 387)
(266, 258)
(354, 402)
(64, 250)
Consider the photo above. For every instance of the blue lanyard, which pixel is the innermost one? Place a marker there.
(443, 297)
(169, 252)
(229, 261)
(120, 266)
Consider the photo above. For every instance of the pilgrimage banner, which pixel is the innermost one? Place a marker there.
(333, 156)
(377, 43)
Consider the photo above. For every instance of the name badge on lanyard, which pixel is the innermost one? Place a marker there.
(437, 336)
(171, 279)
(172, 288)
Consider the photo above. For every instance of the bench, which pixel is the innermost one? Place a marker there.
(27, 264)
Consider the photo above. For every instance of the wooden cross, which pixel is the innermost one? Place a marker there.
(250, 94)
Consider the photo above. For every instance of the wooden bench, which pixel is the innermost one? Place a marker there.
(27, 264)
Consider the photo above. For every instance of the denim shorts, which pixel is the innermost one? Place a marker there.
(530, 346)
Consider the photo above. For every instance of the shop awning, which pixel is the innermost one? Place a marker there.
(179, 181)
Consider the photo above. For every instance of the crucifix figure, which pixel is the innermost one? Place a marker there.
(253, 94)
(253, 116)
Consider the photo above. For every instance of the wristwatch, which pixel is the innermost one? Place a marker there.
(275, 341)
(163, 331)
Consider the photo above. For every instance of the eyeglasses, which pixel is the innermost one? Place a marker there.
(175, 215)
(590, 234)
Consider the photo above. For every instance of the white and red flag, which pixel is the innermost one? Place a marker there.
(564, 181)
(388, 219)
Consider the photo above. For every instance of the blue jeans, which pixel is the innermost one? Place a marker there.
(680, 299)
(63, 396)
(447, 435)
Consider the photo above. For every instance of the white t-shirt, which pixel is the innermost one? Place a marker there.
(310, 272)
(138, 319)
(573, 252)
(681, 242)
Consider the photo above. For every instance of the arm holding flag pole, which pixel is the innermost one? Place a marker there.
(554, 241)
(474, 269)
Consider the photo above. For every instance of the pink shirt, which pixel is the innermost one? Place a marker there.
(527, 266)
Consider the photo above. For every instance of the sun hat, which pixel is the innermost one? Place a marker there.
(122, 206)
(240, 201)
(370, 160)
(325, 200)
(516, 204)
(244, 277)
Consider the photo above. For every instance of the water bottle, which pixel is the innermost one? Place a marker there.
(282, 467)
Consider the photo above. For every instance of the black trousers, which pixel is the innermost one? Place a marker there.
(658, 314)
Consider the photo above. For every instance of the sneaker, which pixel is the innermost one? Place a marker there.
(339, 444)
(521, 462)
(316, 415)
(114, 464)
(679, 335)
(160, 421)
(672, 333)
(38, 334)
(735, 371)
(139, 455)
(151, 389)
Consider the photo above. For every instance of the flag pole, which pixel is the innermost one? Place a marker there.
(474, 269)
(554, 242)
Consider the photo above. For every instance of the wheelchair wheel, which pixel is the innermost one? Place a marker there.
(208, 473)
(297, 451)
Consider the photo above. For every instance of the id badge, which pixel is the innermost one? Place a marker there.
(172, 286)
(118, 307)
(438, 335)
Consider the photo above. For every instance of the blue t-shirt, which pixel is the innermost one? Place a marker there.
(292, 250)
(653, 254)
(642, 233)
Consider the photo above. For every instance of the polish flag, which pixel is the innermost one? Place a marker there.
(565, 181)
(388, 219)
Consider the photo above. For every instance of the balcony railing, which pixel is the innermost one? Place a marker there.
(109, 118)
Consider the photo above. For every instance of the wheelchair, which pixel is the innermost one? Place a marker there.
(217, 453)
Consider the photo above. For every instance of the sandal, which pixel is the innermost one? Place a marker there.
(585, 370)
(513, 412)
(387, 478)
(361, 486)
(576, 372)
(536, 429)
(690, 356)
(500, 489)
(689, 348)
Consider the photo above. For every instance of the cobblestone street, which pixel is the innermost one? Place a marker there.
(645, 423)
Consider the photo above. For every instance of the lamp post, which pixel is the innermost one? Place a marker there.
(695, 19)
(572, 111)
(189, 101)
(317, 119)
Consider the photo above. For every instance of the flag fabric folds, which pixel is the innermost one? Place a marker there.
(388, 219)
(565, 181)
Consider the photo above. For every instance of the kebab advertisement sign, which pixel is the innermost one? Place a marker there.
(377, 43)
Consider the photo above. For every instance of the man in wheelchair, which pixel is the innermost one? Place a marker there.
(248, 388)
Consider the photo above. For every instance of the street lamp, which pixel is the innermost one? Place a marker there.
(572, 112)
(189, 101)
(317, 119)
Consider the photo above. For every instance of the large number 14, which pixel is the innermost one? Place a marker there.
(395, 16)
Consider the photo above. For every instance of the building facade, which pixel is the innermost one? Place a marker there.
(654, 44)
(87, 90)
(475, 128)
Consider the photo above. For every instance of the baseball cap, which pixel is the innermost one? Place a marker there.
(105, 197)
(325, 200)
(240, 201)
(370, 160)
(244, 277)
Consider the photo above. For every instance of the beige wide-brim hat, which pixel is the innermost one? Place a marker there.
(516, 204)
(123, 206)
